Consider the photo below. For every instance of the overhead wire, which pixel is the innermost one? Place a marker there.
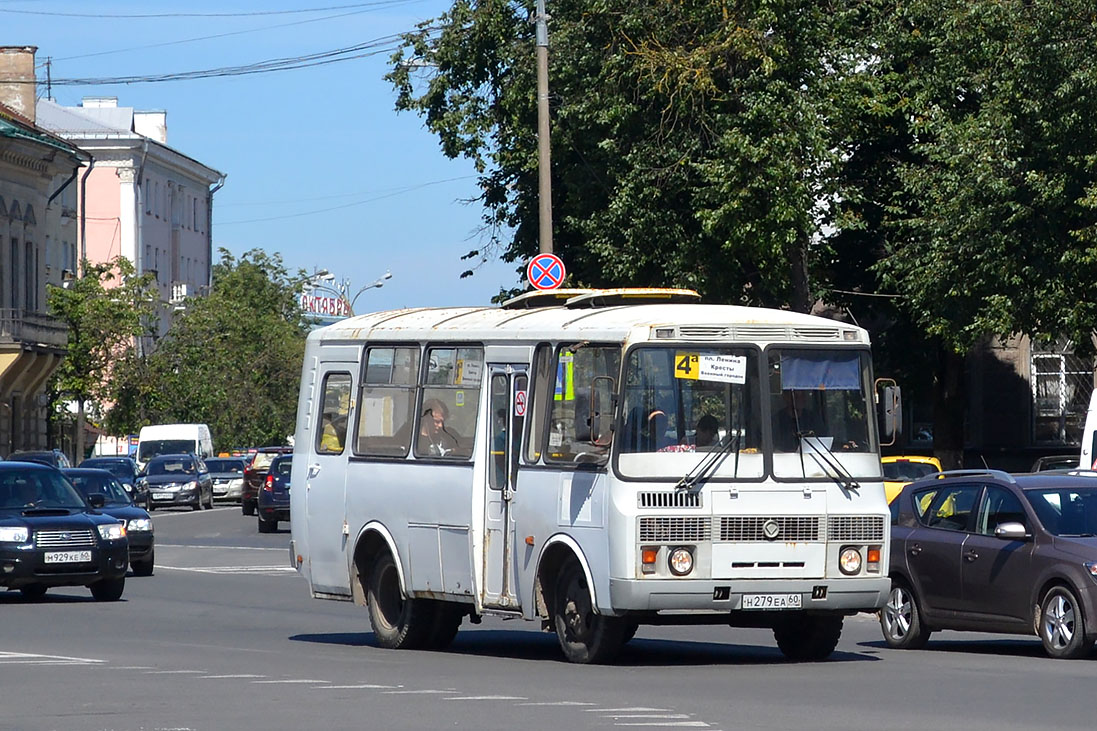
(241, 14)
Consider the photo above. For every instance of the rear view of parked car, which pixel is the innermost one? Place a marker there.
(125, 470)
(52, 457)
(273, 501)
(51, 536)
(117, 504)
(227, 474)
(255, 476)
(178, 480)
(992, 552)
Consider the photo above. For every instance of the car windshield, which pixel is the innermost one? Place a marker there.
(904, 471)
(224, 466)
(106, 485)
(1067, 511)
(155, 447)
(28, 489)
(173, 467)
(39, 457)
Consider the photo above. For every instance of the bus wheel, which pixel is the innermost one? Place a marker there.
(808, 637)
(585, 636)
(398, 622)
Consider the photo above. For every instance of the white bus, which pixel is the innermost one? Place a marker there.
(595, 460)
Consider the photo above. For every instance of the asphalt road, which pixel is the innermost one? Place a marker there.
(225, 636)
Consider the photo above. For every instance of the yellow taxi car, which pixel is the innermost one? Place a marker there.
(900, 470)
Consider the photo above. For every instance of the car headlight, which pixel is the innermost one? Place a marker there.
(680, 561)
(1089, 566)
(112, 531)
(13, 535)
(849, 561)
(140, 524)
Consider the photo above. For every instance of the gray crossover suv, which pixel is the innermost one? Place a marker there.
(992, 552)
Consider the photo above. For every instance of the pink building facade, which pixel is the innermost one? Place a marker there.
(140, 198)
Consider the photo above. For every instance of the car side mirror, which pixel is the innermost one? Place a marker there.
(97, 500)
(1011, 532)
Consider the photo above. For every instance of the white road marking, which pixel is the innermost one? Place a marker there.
(176, 672)
(284, 549)
(666, 724)
(261, 570)
(226, 677)
(654, 715)
(27, 658)
(299, 681)
(486, 698)
(419, 692)
(557, 703)
(367, 686)
(628, 710)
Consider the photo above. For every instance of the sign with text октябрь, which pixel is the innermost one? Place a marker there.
(324, 305)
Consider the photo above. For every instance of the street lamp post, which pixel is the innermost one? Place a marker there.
(375, 284)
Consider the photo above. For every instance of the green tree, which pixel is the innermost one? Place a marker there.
(105, 309)
(231, 359)
(694, 143)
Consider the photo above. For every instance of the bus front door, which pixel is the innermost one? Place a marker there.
(507, 399)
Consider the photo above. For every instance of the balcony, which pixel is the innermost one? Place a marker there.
(36, 328)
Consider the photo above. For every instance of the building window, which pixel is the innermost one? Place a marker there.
(14, 276)
(31, 290)
(1061, 385)
(148, 198)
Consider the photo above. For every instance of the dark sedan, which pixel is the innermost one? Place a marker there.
(178, 480)
(273, 504)
(255, 475)
(123, 468)
(50, 535)
(991, 552)
(118, 504)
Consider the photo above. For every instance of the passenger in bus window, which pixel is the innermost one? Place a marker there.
(703, 436)
(434, 439)
(655, 436)
(334, 432)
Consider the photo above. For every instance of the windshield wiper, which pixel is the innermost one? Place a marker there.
(708, 464)
(822, 456)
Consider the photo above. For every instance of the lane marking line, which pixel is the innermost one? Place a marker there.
(486, 698)
(298, 681)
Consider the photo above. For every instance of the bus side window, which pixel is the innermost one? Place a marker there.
(539, 397)
(334, 412)
(450, 400)
(387, 404)
(571, 423)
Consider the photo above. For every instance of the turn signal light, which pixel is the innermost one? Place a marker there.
(268, 486)
(648, 555)
(872, 559)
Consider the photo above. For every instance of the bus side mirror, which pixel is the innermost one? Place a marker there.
(889, 401)
(601, 411)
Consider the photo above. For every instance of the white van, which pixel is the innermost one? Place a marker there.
(173, 439)
(1089, 436)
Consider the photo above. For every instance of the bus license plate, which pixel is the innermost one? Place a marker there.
(772, 601)
(67, 557)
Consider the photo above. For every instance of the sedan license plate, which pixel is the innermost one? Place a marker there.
(67, 557)
(772, 601)
(163, 496)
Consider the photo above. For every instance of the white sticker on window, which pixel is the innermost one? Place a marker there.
(723, 368)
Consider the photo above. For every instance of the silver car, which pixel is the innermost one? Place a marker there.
(228, 477)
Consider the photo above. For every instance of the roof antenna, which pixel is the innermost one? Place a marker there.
(984, 459)
(49, 78)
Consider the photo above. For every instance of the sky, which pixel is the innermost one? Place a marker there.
(320, 167)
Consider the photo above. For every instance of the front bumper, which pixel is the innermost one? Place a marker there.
(228, 491)
(177, 499)
(646, 595)
(26, 565)
(141, 545)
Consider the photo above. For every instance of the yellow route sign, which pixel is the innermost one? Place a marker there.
(687, 365)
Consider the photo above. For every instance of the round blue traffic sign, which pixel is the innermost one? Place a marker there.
(545, 271)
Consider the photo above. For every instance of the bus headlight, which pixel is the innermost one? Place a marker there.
(849, 561)
(680, 561)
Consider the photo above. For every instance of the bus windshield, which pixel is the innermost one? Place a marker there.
(677, 403)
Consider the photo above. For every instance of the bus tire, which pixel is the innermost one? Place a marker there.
(585, 636)
(399, 623)
(808, 637)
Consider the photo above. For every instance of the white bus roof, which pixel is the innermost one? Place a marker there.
(580, 317)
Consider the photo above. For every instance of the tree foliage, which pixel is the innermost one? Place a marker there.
(693, 143)
(231, 359)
